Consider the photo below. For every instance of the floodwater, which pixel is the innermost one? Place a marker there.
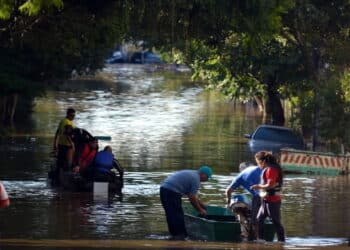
(159, 122)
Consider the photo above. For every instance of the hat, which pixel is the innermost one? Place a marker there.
(206, 170)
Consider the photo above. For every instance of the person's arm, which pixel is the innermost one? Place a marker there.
(197, 204)
(118, 167)
(234, 184)
(57, 136)
(270, 183)
(228, 193)
(71, 142)
(4, 199)
(55, 141)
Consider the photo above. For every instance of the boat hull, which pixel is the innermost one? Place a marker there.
(221, 225)
(309, 162)
(74, 182)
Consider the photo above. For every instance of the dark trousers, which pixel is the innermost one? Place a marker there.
(272, 210)
(171, 203)
(62, 157)
(256, 203)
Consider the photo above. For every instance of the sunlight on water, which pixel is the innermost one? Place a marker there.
(314, 242)
(29, 190)
(141, 120)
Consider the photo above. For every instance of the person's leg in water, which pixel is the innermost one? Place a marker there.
(275, 215)
(262, 214)
(256, 203)
(69, 157)
(171, 203)
(243, 219)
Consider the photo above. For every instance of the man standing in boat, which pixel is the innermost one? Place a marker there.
(249, 175)
(62, 146)
(184, 182)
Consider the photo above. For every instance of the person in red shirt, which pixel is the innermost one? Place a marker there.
(270, 191)
(4, 198)
(86, 157)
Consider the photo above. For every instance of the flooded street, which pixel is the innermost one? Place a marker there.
(159, 122)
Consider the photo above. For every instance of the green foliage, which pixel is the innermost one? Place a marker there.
(29, 7)
(33, 7)
(15, 76)
(333, 109)
(245, 48)
(5, 8)
(51, 45)
(345, 86)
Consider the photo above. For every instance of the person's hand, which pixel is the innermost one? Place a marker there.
(54, 151)
(204, 206)
(255, 187)
(203, 212)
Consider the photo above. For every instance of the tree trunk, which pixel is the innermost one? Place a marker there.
(259, 101)
(316, 56)
(273, 108)
(8, 108)
(13, 106)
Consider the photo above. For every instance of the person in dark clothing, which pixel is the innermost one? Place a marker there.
(184, 182)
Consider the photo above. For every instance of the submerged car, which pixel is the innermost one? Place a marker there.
(117, 57)
(146, 57)
(274, 138)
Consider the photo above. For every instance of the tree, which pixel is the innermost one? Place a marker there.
(319, 30)
(265, 49)
(45, 45)
(209, 32)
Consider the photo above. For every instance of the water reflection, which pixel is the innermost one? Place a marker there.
(159, 123)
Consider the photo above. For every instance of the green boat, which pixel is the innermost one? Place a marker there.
(219, 225)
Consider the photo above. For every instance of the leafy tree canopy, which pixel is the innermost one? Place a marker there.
(43, 41)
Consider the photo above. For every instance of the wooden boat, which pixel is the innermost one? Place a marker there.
(219, 225)
(74, 181)
(309, 162)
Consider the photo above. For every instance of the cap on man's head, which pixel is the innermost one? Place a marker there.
(206, 170)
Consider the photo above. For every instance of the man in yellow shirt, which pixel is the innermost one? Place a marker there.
(63, 145)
